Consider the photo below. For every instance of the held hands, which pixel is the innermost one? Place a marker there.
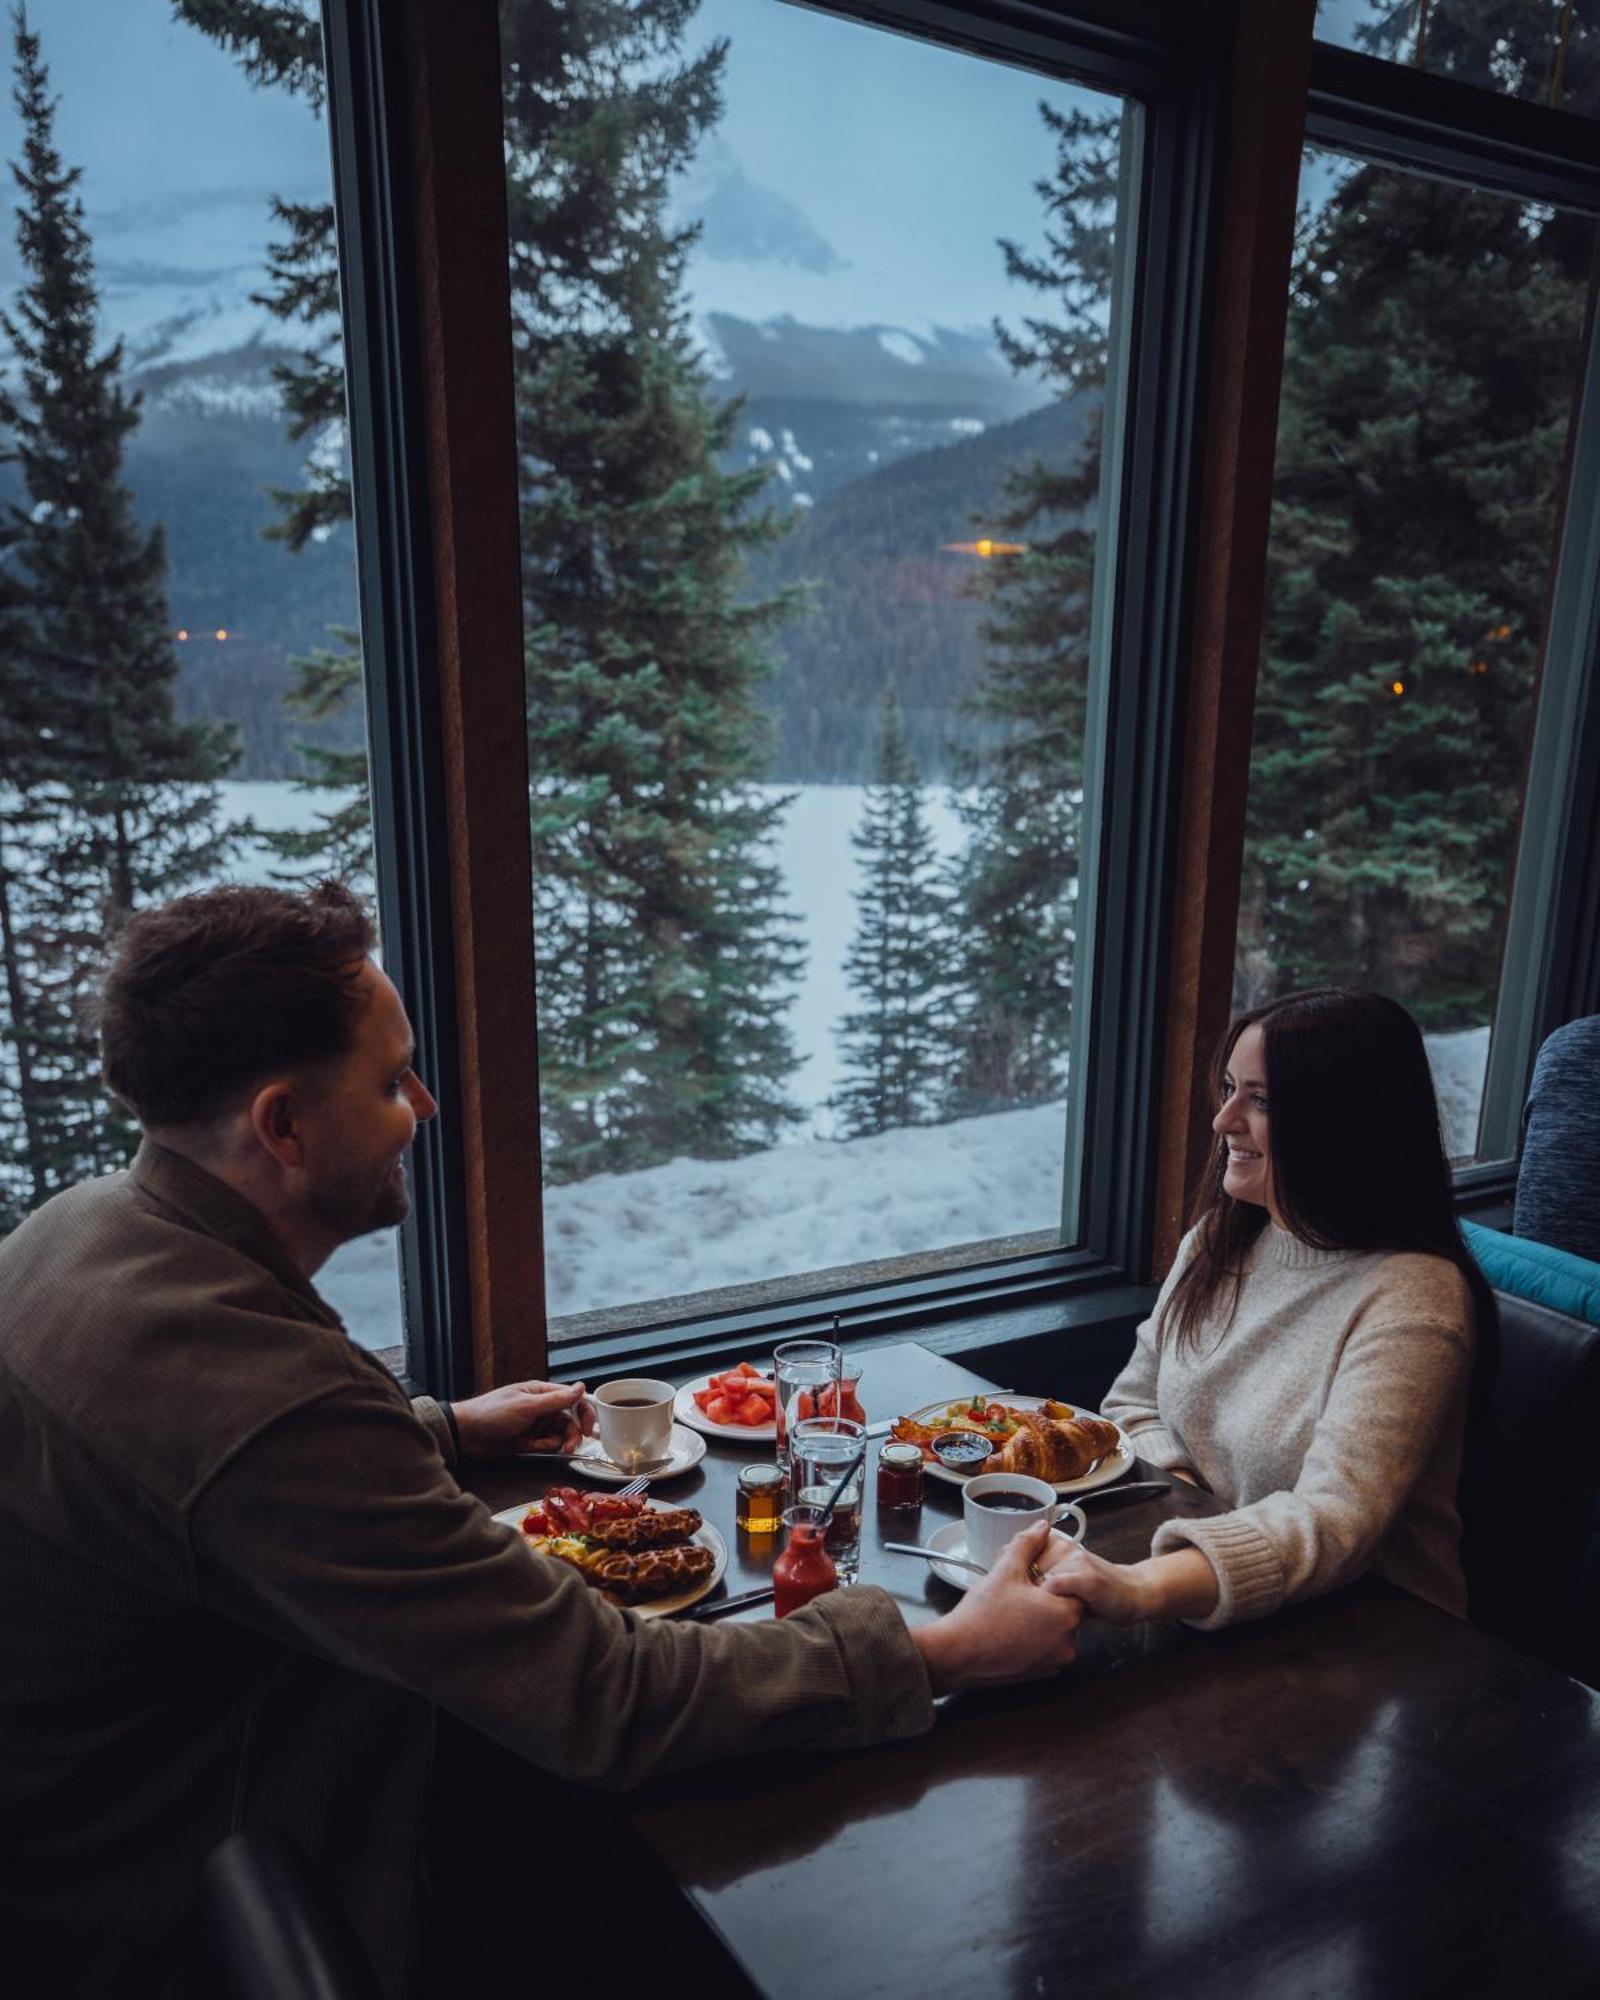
(1116, 1592)
(1007, 1627)
(524, 1416)
(1179, 1584)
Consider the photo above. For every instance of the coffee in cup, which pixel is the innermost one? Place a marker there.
(634, 1417)
(999, 1505)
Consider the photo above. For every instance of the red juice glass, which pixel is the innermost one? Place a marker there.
(805, 1569)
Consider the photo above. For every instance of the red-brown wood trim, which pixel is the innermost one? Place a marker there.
(464, 321)
(1260, 173)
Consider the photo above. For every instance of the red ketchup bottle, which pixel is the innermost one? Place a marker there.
(805, 1569)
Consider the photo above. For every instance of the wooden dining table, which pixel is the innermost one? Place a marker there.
(1359, 1796)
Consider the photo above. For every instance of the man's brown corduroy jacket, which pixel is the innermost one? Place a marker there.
(237, 1576)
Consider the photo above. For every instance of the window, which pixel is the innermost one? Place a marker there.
(1544, 50)
(719, 598)
(1435, 341)
(183, 689)
(813, 440)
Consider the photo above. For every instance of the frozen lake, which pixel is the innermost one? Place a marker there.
(812, 1202)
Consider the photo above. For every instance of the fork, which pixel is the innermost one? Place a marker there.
(635, 1488)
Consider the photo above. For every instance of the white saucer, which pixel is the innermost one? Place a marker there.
(685, 1449)
(952, 1539)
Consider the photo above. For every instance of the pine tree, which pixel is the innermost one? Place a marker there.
(1433, 339)
(25, 816)
(114, 800)
(894, 1044)
(279, 44)
(663, 953)
(1015, 885)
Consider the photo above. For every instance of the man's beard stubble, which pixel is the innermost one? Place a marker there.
(347, 1204)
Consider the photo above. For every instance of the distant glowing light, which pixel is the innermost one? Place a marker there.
(183, 632)
(985, 547)
(222, 631)
(1397, 687)
(1480, 666)
(1502, 631)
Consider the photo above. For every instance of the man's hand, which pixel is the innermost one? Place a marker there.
(1006, 1628)
(524, 1416)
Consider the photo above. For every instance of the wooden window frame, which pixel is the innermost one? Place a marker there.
(1231, 92)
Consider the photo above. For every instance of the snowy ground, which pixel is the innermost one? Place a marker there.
(814, 1202)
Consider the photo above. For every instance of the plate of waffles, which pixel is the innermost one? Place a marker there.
(644, 1556)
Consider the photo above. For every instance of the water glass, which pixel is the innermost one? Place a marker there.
(800, 1367)
(820, 1450)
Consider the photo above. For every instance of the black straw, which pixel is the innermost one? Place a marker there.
(850, 1472)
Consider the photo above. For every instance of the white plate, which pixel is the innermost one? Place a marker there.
(684, 1451)
(952, 1539)
(656, 1607)
(688, 1411)
(1116, 1464)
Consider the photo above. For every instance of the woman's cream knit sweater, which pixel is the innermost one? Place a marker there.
(1328, 1417)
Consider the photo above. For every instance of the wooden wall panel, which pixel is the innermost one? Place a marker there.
(1259, 183)
(464, 321)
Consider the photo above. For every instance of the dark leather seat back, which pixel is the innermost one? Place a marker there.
(277, 1932)
(1528, 1490)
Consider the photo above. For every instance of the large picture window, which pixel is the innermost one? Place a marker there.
(180, 670)
(1435, 345)
(811, 330)
(866, 434)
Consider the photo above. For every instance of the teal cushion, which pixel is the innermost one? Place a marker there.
(1536, 1271)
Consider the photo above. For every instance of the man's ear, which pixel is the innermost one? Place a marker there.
(275, 1121)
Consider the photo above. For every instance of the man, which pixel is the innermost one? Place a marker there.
(237, 1576)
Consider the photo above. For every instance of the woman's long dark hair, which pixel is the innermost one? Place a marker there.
(1356, 1155)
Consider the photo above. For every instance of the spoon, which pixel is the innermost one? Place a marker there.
(592, 1458)
(955, 1562)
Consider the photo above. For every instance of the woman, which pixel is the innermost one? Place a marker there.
(1310, 1355)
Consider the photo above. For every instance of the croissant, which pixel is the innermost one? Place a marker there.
(1046, 1449)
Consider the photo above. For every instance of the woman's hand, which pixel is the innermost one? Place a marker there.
(524, 1416)
(1180, 1584)
(1113, 1591)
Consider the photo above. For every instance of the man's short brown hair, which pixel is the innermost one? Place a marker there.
(214, 992)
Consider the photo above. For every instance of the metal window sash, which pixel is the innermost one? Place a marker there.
(1126, 46)
(373, 206)
(1129, 858)
(1549, 961)
(1427, 124)
(1550, 966)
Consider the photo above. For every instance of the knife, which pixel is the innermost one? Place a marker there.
(715, 1609)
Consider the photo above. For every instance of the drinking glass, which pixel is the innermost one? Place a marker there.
(820, 1449)
(799, 1366)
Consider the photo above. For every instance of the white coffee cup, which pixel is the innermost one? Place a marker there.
(635, 1420)
(989, 1528)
